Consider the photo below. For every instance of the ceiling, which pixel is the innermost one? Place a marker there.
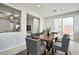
(48, 9)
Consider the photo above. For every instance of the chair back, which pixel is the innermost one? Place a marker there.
(35, 34)
(33, 46)
(66, 36)
(65, 43)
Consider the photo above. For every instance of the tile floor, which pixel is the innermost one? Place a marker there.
(74, 48)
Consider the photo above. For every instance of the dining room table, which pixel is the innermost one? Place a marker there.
(45, 37)
(49, 40)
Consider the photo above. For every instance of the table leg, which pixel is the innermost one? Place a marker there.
(52, 51)
(44, 52)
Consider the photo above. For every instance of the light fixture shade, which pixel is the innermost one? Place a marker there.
(11, 17)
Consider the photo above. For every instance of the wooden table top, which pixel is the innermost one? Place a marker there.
(45, 37)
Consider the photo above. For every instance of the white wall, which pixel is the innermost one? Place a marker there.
(49, 22)
(42, 23)
(12, 39)
(8, 40)
(76, 28)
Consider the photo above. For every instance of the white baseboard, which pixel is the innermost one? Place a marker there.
(13, 50)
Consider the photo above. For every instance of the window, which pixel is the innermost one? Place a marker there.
(68, 26)
(64, 26)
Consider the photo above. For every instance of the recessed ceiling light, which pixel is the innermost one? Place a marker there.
(46, 12)
(63, 8)
(38, 5)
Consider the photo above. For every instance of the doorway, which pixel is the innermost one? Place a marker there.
(33, 24)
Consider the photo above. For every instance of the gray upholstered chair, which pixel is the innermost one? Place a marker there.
(34, 46)
(35, 34)
(61, 46)
(60, 39)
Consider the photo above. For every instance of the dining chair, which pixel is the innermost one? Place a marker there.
(60, 39)
(34, 46)
(35, 34)
(61, 46)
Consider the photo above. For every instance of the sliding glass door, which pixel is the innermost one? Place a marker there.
(68, 26)
(64, 26)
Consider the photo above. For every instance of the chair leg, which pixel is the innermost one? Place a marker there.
(44, 52)
(66, 53)
(55, 50)
(52, 51)
(27, 52)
